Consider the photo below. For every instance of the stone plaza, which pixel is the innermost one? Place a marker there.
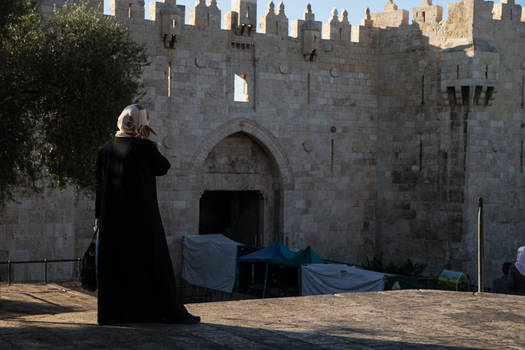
(60, 317)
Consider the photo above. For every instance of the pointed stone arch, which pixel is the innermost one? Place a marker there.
(262, 136)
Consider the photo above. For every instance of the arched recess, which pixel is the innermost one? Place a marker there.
(216, 184)
(262, 136)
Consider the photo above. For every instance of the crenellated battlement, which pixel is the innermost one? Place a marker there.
(274, 22)
(469, 54)
(337, 28)
(243, 18)
(390, 17)
(206, 15)
(507, 10)
(469, 57)
(132, 10)
(427, 14)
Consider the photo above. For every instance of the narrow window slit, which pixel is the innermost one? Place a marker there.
(129, 10)
(423, 89)
(332, 155)
(457, 71)
(169, 79)
(522, 90)
(521, 157)
(420, 155)
(486, 71)
(451, 90)
(308, 88)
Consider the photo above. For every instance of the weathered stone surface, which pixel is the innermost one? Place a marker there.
(60, 317)
(428, 114)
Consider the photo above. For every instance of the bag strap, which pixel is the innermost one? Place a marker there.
(94, 235)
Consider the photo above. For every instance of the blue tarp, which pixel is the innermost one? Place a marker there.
(278, 253)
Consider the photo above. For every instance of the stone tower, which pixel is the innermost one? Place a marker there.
(243, 17)
(247, 10)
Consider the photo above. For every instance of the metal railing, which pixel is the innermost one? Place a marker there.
(45, 262)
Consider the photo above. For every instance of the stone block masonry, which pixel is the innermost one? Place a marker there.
(357, 139)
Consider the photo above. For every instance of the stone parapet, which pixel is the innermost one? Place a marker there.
(390, 17)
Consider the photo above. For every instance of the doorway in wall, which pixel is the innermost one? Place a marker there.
(239, 215)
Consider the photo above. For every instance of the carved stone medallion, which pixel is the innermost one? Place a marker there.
(308, 146)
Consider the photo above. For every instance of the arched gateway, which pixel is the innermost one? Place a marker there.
(242, 172)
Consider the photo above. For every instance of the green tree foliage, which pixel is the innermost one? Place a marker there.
(10, 10)
(68, 77)
(19, 23)
(92, 71)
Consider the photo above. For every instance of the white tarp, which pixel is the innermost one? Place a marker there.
(210, 261)
(337, 278)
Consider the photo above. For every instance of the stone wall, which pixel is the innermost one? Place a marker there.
(52, 224)
(314, 118)
(380, 136)
(496, 133)
(412, 178)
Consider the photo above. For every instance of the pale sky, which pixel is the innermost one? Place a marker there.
(322, 8)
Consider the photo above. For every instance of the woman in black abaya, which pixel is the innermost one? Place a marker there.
(135, 275)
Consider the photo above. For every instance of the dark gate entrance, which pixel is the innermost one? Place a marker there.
(236, 214)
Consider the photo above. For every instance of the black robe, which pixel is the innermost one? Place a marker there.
(515, 281)
(135, 276)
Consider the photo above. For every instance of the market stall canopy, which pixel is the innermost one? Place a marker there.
(338, 278)
(210, 261)
(279, 254)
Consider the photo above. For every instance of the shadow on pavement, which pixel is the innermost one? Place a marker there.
(59, 335)
(14, 308)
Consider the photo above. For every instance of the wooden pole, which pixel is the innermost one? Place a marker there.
(265, 280)
(78, 268)
(481, 247)
(45, 271)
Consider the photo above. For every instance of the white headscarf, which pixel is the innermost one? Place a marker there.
(520, 260)
(143, 118)
(128, 122)
(144, 122)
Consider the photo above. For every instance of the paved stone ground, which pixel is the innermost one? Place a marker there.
(35, 316)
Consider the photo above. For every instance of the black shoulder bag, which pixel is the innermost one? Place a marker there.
(88, 267)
